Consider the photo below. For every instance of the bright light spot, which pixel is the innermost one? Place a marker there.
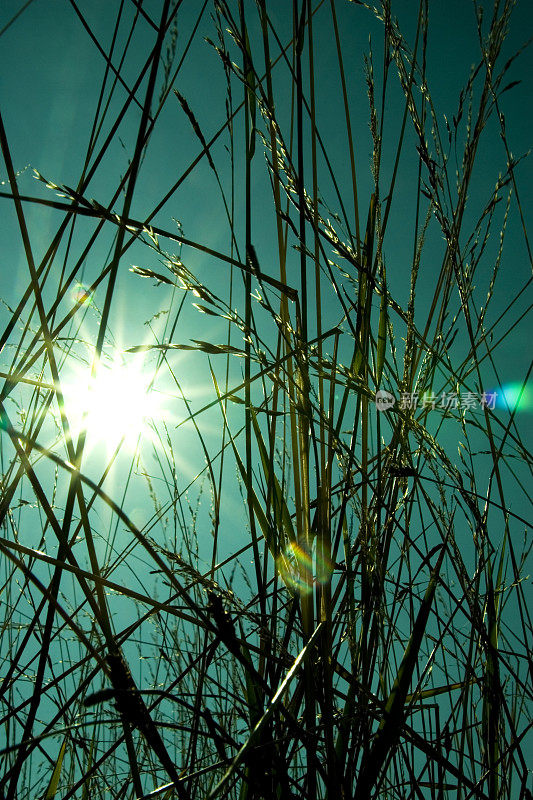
(118, 404)
(80, 294)
(300, 570)
(510, 397)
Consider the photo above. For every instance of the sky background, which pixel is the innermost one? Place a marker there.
(49, 87)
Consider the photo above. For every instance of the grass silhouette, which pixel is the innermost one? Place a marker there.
(275, 588)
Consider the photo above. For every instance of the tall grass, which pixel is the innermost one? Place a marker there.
(283, 591)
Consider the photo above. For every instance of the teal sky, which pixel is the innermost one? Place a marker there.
(49, 88)
(48, 93)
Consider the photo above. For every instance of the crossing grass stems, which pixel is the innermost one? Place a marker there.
(348, 644)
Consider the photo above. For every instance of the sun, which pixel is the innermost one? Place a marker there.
(116, 406)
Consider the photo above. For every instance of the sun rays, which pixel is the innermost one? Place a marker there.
(117, 406)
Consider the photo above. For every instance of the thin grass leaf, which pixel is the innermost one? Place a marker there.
(148, 273)
(382, 339)
(205, 347)
(300, 659)
(282, 516)
(56, 774)
(394, 713)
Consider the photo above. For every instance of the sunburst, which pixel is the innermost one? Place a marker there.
(118, 405)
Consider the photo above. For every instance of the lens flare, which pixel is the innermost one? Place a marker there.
(513, 396)
(81, 295)
(301, 570)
